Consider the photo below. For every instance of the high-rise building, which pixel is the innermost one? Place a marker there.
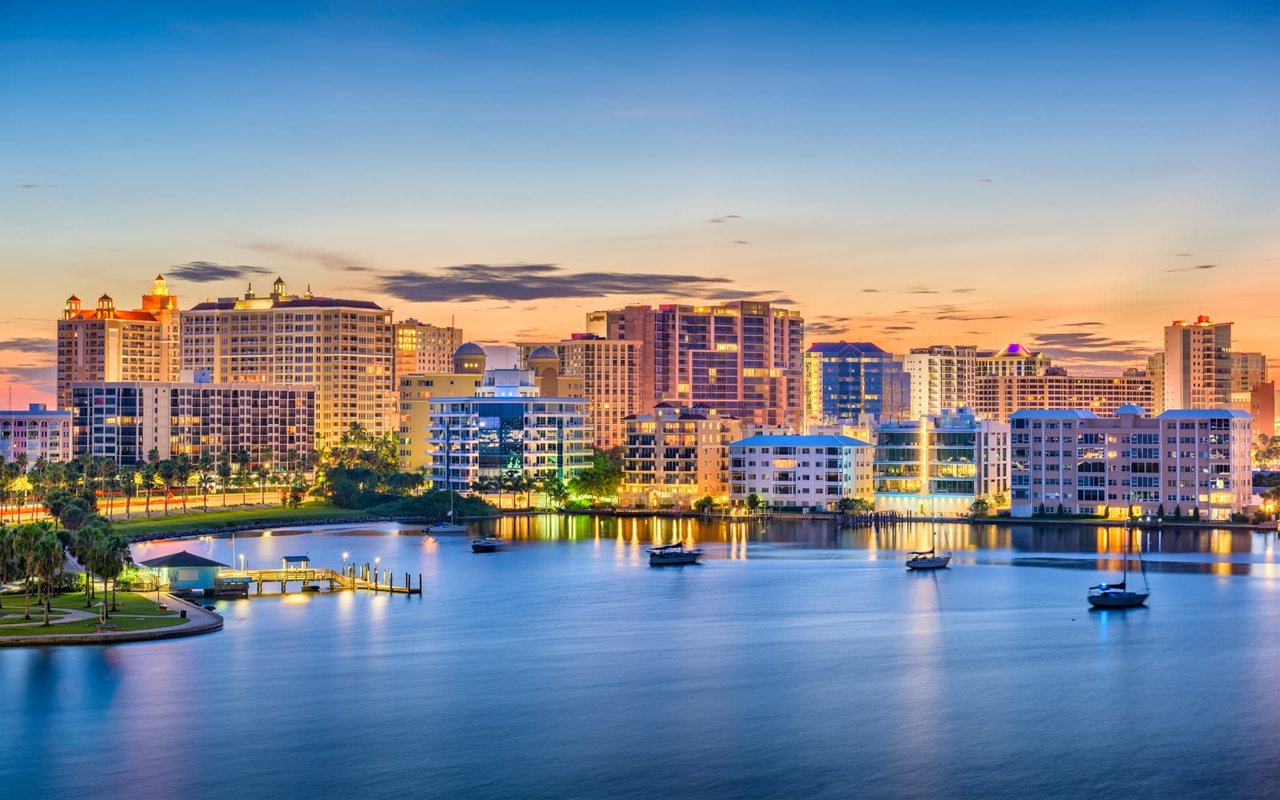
(106, 343)
(1247, 370)
(1155, 371)
(125, 420)
(1185, 463)
(799, 472)
(508, 428)
(345, 349)
(1197, 364)
(609, 370)
(423, 348)
(462, 379)
(1000, 396)
(1012, 360)
(35, 434)
(676, 456)
(844, 380)
(743, 359)
(942, 378)
(941, 463)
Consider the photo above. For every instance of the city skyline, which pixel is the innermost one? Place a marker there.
(1072, 180)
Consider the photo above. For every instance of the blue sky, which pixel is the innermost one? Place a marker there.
(908, 173)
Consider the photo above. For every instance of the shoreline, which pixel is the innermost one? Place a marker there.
(199, 621)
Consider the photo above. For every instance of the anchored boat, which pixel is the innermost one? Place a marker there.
(670, 554)
(1119, 595)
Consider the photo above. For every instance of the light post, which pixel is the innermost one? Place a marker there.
(242, 562)
(376, 562)
(344, 563)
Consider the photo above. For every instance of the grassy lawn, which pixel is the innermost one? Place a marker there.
(90, 626)
(126, 603)
(215, 517)
(36, 614)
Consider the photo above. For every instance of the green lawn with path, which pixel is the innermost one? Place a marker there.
(134, 612)
(217, 518)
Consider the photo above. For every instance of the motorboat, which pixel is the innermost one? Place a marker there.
(1119, 595)
(927, 559)
(486, 544)
(672, 554)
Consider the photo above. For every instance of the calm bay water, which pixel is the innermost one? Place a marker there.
(793, 663)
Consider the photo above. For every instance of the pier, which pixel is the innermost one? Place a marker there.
(364, 577)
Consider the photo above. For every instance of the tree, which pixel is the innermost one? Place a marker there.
(6, 553)
(47, 558)
(855, 505)
(601, 479)
(555, 490)
(262, 473)
(25, 539)
(980, 507)
(224, 475)
(753, 501)
(704, 504)
(182, 469)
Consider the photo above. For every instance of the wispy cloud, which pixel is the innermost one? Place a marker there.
(921, 290)
(524, 282)
(1083, 325)
(35, 376)
(954, 313)
(39, 186)
(29, 344)
(1091, 348)
(826, 326)
(325, 258)
(725, 218)
(209, 271)
(1193, 269)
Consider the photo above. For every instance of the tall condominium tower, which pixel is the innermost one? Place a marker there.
(942, 378)
(343, 348)
(423, 348)
(742, 358)
(1197, 364)
(1247, 371)
(610, 373)
(846, 379)
(106, 343)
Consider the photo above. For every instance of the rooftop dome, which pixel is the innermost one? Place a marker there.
(469, 349)
(543, 352)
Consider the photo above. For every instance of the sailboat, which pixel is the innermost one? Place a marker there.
(931, 558)
(1119, 595)
(447, 525)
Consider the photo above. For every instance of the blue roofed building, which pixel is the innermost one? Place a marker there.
(799, 472)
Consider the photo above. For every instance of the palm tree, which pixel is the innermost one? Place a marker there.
(242, 460)
(128, 485)
(109, 557)
(168, 473)
(47, 558)
(224, 475)
(262, 473)
(26, 537)
(182, 469)
(83, 543)
(6, 553)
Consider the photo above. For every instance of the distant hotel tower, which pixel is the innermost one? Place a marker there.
(342, 348)
(743, 359)
(105, 343)
(1196, 371)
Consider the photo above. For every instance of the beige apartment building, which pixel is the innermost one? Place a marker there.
(999, 396)
(676, 456)
(345, 349)
(416, 392)
(943, 378)
(610, 373)
(423, 348)
(105, 343)
(1197, 364)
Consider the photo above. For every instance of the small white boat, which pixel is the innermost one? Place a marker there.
(672, 554)
(446, 527)
(486, 544)
(927, 559)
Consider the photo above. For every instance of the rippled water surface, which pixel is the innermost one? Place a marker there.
(794, 662)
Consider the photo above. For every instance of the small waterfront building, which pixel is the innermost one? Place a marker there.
(35, 433)
(940, 464)
(799, 472)
(676, 456)
(183, 571)
(1184, 463)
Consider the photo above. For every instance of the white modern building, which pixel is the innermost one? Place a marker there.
(1189, 464)
(943, 378)
(801, 472)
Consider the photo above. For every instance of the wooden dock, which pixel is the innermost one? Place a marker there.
(313, 579)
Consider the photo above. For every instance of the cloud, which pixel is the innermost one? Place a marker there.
(921, 290)
(725, 218)
(900, 328)
(954, 313)
(826, 326)
(1093, 348)
(29, 344)
(871, 291)
(524, 282)
(208, 271)
(325, 258)
(39, 186)
(963, 291)
(1193, 269)
(1184, 255)
(768, 296)
(983, 180)
(1083, 325)
(35, 376)
(739, 241)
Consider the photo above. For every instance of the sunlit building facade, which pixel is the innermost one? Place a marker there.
(105, 343)
(423, 348)
(943, 378)
(999, 396)
(1012, 360)
(1191, 464)
(1197, 367)
(676, 456)
(344, 349)
(743, 358)
(609, 370)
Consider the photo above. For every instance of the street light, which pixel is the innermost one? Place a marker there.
(242, 562)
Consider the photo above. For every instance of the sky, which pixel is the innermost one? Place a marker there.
(1070, 176)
